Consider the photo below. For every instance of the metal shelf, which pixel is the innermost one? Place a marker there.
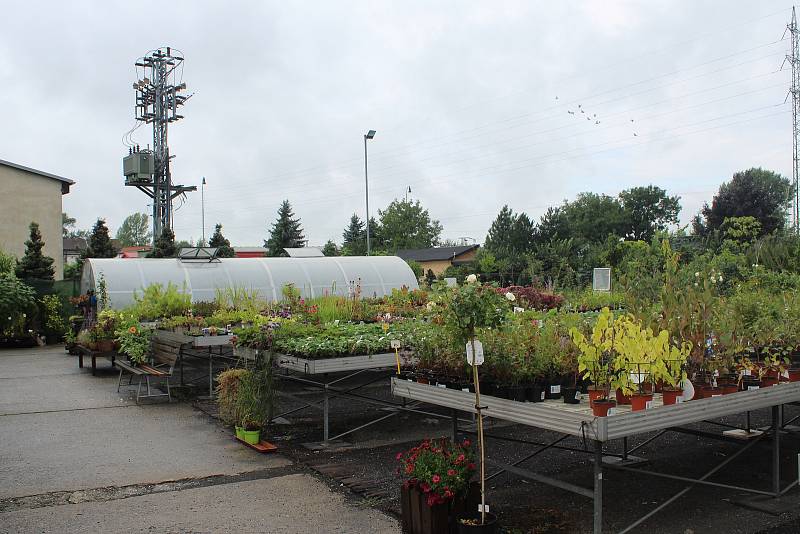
(336, 365)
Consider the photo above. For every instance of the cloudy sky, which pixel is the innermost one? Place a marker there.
(476, 104)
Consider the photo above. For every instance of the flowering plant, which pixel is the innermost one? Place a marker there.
(134, 341)
(439, 468)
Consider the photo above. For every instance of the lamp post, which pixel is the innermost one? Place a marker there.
(369, 135)
(203, 209)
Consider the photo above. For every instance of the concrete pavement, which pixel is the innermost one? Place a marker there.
(63, 430)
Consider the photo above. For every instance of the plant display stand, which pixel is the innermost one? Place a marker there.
(326, 375)
(262, 446)
(577, 420)
(93, 354)
(196, 351)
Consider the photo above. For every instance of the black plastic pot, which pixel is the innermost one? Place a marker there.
(534, 393)
(516, 393)
(490, 525)
(572, 395)
(553, 391)
(502, 391)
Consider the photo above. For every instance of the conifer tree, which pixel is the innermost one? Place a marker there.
(224, 249)
(99, 244)
(34, 265)
(355, 237)
(164, 246)
(286, 232)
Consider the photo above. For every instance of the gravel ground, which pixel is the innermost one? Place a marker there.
(526, 506)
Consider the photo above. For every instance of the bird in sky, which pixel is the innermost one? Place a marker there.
(634, 134)
(571, 112)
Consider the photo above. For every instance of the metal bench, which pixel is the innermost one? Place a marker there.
(165, 355)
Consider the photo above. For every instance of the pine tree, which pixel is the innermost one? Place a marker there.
(355, 237)
(224, 249)
(99, 245)
(286, 232)
(164, 246)
(34, 265)
(330, 249)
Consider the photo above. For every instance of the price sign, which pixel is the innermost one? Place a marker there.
(478, 356)
(395, 344)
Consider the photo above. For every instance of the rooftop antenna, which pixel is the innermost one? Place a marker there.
(157, 101)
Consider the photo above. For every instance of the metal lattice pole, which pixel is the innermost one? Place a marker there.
(157, 101)
(794, 59)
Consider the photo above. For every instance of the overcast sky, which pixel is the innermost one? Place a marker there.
(471, 102)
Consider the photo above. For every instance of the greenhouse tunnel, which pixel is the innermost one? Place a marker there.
(314, 277)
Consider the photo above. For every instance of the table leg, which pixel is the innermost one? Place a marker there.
(598, 487)
(776, 450)
(325, 414)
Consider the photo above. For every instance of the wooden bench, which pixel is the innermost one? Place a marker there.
(93, 354)
(165, 355)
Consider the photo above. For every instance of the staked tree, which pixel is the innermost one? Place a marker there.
(759, 193)
(355, 237)
(164, 246)
(224, 249)
(135, 231)
(330, 249)
(286, 232)
(99, 243)
(648, 210)
(406, 224)
(34, 265)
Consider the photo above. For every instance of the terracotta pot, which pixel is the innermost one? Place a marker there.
(596, 393)
(622, 399)
(639, 401)
(670, 395)
(647, 387)
(105, 345)
(659, 386)
(794, 375)
(601, 406)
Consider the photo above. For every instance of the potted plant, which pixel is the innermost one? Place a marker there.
(134, 342)
(227, 392)
(669, 366)
(469, 307)
(775, 365)
(250, 430)
(254, 402)
(593, 357)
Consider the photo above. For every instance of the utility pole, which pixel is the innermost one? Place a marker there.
(157, 101)
(203, 209)
(367, 136)
(794, 60)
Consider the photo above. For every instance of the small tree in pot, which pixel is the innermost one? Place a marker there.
(468, 308)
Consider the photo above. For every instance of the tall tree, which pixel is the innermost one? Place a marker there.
(135, 231)
(224, 249)
(406, 224)
(164, 246)
(286, 232)
(34, 265)
(355, 237)
(592, 217)
(330, 249)
(99, 243)
(509, 241)
(756, 192)
(67, 224)
(648, 210)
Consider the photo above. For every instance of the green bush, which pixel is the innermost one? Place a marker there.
(17, 305)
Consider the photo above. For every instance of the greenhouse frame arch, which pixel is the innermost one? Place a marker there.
(377, 276)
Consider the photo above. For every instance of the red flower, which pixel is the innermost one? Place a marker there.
(424, 487)
(436, 479)
(460, 459)
(471, 466)
(467, 443)
(399, 455)
(451, 472)
(409, 469)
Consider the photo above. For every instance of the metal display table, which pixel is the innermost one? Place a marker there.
(326, 373)
(577, 420)
(200, 348)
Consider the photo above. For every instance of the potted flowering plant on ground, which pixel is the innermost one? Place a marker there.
(467, 308)
(436, 484)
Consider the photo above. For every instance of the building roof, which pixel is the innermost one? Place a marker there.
(74, 243)
(435, 254)
(65, 182)
(305, 252)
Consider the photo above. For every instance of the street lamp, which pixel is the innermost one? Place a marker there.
(203, 209)
(369, 135)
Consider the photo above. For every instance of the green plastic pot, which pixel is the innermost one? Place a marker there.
(240, 432)
(252, 436)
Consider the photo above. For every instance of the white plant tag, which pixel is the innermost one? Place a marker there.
(577, 395)
(648, 405)
(785, 374)
(482, 508)
(395, 343)
(542, 395)
(612, 411)
(679, 399)
(555, 389)
(478, 352)
(465, 390)
(712, 396)
(716, 372)
(441, 386)
(747, 372)
(751, 388)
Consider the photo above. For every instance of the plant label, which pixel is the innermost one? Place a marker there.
(751, 388)
(577, 395)
(747, 372)
(679, 399)
(712, 396)
(465, 390)
(395, 343)
(483, 508)
(648, 405)
(785, 374)
(441, 386)
(542, 395)
(612, 411)
(478, 357)
(554, 390)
